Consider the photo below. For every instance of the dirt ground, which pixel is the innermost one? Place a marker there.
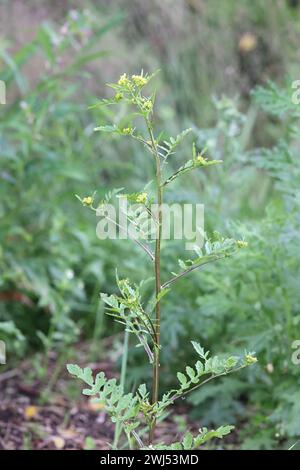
(37, 415)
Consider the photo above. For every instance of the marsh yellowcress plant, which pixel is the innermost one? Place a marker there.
(132, 412)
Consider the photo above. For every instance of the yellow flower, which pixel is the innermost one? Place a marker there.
(123, 282)
(142, 198)
(248, 42)
(139, 80)
(127, 130)
(241, 244)
(201, 160)
(118, 96)
(87, 201)
(250, 359)
(147, 106)
(124, 80)
(30, 412)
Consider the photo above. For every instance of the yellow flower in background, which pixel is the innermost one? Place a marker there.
(248, 42)
(30, 412)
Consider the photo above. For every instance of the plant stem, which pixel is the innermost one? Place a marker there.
(155, 374)
(212, 377)
(118, 427)
(192, 268)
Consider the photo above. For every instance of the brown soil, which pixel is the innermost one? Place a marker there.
(32, 419)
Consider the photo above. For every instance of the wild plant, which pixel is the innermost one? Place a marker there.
(137, 413)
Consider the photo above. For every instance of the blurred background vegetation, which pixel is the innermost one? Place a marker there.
(216, 61)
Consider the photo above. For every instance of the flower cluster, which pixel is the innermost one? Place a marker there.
(147, 105)
(142, 198)
(241, 244)
(200, 159)
(250, 359)
(127, 130)
(124, 80)
(139, 80)
(129, 88)
(87, 201)
(118, 97)
(135, 80)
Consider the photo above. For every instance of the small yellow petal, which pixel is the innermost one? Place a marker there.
(31, 412)
(59, 442)
(248, 42)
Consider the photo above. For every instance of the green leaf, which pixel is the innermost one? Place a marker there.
(231, 362)
(217, 365)
(170, 146)
(109, 129)
(83, 374)
(192, 374)
(175, 446)
(142, 390)
(182, 379)
(199, 367)
(188, 441)
(206, 435)
(162, 293)
(198, 348)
